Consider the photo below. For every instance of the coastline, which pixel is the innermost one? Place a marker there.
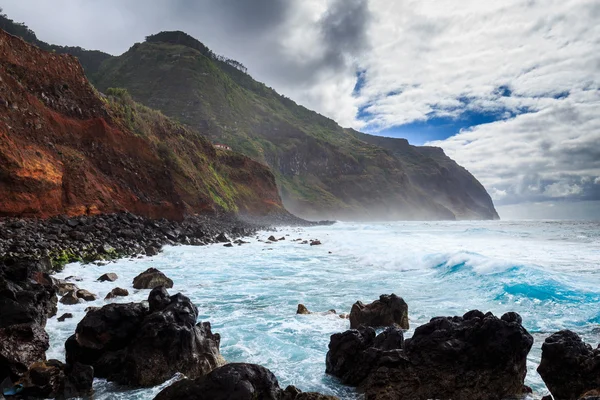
(61, 240)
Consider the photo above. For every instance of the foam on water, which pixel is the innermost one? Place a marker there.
(546, 271)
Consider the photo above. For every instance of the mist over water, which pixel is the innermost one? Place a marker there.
(547, 271)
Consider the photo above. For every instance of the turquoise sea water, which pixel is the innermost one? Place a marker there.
(548, 271)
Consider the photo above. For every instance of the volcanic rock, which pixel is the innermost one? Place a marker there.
(53, 379)
(109, 277)
(70, 298)
(474, 357)
(236, 382)
(302, 309)
(569, 367)
(144, 345)
(86, 295)
(64, 317)
(20, 346)
(150, 279)
(387, 311)
(117, 292)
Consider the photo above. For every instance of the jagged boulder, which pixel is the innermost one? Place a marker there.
(474, 357)
(117, 292)
(27, 300)
(236, 382)
(20, 346)
(387, 311)
(150, 279)
(53, 379)
(569, 367)
(355, 353)
(145, 344)
(108, 277)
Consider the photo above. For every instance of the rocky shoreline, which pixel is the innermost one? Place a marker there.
(60, 240)
(476, 356)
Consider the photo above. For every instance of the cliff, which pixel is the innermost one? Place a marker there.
(66, 149)
(322, 170)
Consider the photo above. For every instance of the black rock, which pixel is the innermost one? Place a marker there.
(65, 316)
(150, 279)
(387, 311)
(235, 382)
(569, 367)
(138, 346)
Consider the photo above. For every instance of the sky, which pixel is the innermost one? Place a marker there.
(509, 89)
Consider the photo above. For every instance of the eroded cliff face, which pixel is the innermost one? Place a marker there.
(66, 149)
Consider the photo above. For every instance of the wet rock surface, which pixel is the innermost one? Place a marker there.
(569, 367)
(474, 357)
(117, 292)
(53, 379)
(150, 279)
(387, 311)
(144, 344)
(27, 299)
(236, 382)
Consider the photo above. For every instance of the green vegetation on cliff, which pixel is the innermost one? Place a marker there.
(322, 169)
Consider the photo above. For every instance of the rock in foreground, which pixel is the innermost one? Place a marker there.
(150, 279)
(53, 379)
(387, 311)
(236, 382)
(142, 345)
(569, 367)
(474, 357)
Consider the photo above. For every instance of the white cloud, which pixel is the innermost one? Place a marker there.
(597, 181)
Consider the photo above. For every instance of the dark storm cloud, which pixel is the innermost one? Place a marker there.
(344, 28)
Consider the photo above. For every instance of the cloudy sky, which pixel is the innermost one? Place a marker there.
(510, 89)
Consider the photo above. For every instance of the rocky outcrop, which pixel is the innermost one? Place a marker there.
(27, 300)
(144, 345)
(569, 367)
(150, 279)
(53, 379)
(354, 354)
(236, 382)
(474, 357)
(387, 311)
(102, 154)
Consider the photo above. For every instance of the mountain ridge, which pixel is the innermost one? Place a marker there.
(322, 169)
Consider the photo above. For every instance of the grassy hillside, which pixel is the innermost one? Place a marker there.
(322, 169)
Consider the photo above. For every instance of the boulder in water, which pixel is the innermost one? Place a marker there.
(116, 292)
(64, 317)
(86, 295)
(109, 277)
(150, 279)
(569, 367)
(387, 311)
(302, 310)
(70, 298)
(144, 345)
(474, 357)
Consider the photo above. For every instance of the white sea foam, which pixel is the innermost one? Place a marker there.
(546, 271)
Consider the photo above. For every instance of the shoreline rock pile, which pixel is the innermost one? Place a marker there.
(474, 357)
(61, 239)
(141, 344)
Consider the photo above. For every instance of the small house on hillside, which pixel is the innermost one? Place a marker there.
(222, 146)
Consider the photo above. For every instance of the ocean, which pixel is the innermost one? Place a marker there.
(547, 271)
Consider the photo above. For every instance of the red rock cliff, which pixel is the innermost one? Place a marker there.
(66, 149)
